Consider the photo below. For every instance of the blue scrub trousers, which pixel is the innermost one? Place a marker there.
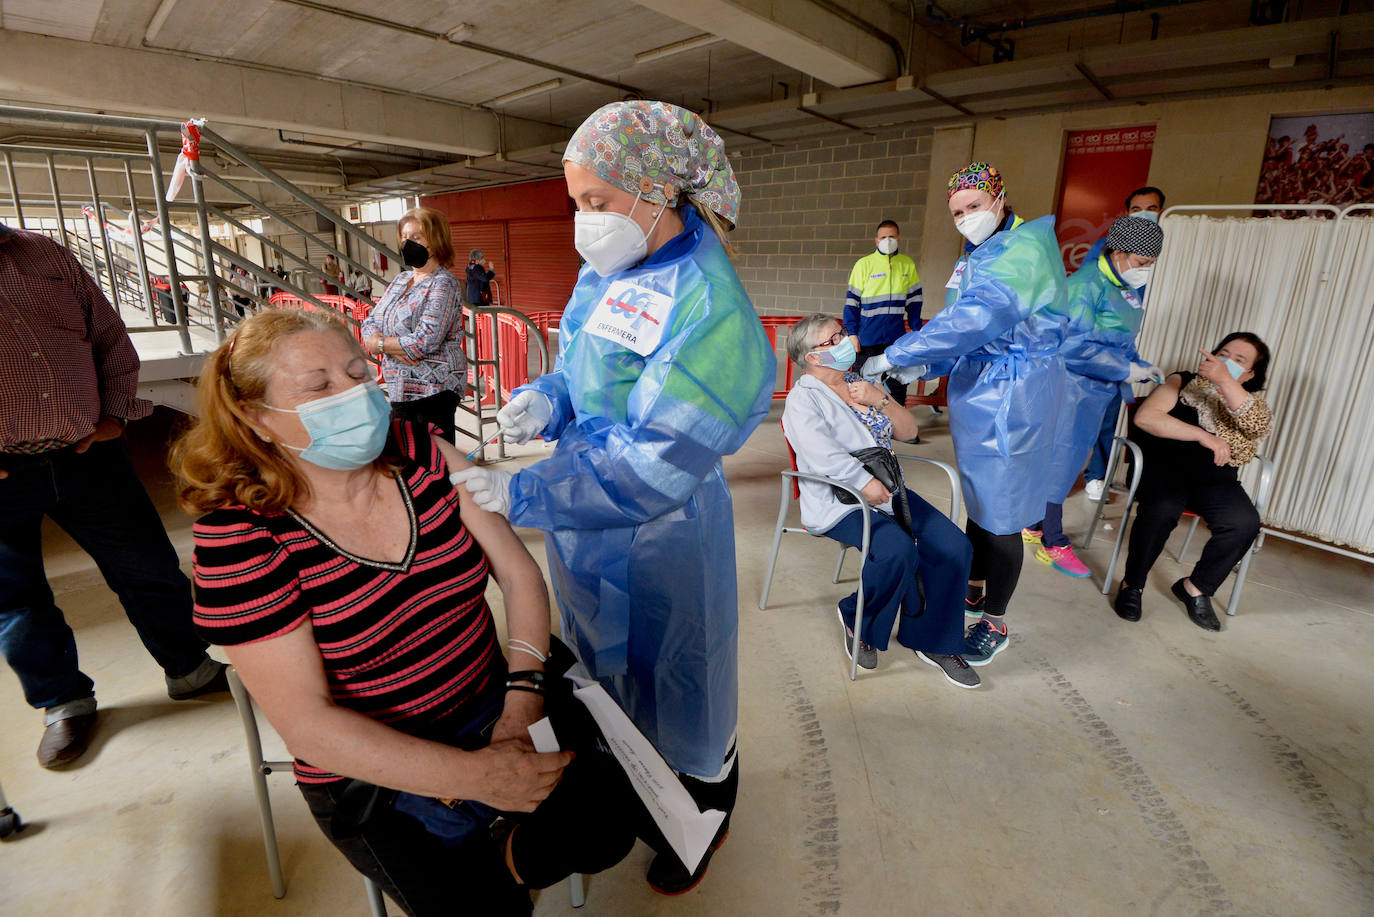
(940, 554)
(1102, 448)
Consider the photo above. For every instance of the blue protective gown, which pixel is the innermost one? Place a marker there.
(998, 340)
(661, 370)
(1103, 317)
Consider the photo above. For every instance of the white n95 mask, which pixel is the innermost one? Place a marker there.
(888, 245)
(979, 226)
(610, 242)
(1137, 277)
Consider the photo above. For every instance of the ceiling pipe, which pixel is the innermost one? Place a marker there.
(861, 23)
(454, 37)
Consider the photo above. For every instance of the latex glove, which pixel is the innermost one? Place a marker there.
(874, 367)
(490, 487)
(908, 374)
(527, 414)
(1144, 372)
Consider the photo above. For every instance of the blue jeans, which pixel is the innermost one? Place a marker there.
(940, 554)
(1102, 448)
(99, 501)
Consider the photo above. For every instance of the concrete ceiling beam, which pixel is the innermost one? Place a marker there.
(797, 33)
(151, 83)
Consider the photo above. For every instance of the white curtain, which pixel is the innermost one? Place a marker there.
(1266, 275)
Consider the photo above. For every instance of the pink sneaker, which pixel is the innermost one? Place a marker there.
(1064, 560)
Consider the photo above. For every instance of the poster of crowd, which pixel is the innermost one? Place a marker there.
(1325, 159)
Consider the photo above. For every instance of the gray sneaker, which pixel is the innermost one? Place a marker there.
(868, 656)
(957, 672)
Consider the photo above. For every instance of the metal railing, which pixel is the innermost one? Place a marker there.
(160, 264)
(161, 242)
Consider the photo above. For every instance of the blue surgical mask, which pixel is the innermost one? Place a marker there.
(1234, 368)
(840, 357)
(347, 430)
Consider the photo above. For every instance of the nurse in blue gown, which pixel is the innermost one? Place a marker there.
(663, 368)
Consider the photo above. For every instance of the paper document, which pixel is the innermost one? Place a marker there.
(688, 829)
(541, 734)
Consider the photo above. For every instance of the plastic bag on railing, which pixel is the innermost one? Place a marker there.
(190, 151)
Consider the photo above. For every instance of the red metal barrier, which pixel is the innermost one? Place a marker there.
(514, 341)
(344, 305)
(776, 327)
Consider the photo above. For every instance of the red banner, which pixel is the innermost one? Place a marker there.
(1101, 167)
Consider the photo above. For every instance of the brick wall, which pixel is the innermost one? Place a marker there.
(811, 208)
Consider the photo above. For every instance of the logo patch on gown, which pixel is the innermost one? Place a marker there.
(954, 279)
(631, 316)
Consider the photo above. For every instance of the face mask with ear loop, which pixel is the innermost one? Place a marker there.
(611, 242)
(979, 226)
(347, 430)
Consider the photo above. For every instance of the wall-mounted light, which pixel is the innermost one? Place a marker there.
(677, 47)
(517, 95)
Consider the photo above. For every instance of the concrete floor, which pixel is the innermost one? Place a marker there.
(1103, 768)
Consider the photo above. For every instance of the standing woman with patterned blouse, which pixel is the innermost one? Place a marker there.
(417, 327)
(346, 579)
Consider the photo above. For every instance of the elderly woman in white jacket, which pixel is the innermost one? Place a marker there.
(830, 414)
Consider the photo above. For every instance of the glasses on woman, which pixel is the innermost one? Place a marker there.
(832, 340)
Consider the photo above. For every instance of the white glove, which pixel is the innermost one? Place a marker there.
(490, 487)
(874, 367)
(1144, 372)
(908, 374)
(527, 414)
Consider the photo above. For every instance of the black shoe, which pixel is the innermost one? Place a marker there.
(1127, 603)
(1199, 608)
(668, 876)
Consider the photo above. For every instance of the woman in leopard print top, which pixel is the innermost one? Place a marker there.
(1195, 430)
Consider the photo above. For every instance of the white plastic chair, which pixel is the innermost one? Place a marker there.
(260, 767)
(791, 492)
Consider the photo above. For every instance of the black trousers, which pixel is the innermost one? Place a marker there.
(1220, 501)
(587, 824)
(894, 388)
(997, 561)
(438, 409)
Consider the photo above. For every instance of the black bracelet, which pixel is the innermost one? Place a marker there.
(533, 676)
(530, 688)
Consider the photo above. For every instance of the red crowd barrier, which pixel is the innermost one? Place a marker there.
(344, 305)
(776, 327)
(514, 341)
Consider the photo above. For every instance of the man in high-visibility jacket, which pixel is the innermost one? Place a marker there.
(883, 302)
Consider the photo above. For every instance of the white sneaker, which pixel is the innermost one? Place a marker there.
(1094, 490)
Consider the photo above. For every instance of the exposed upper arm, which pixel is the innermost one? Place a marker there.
(286, 677)
(505, 552)
(1160, 401)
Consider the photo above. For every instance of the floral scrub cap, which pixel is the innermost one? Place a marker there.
(978, 175)
(659, 151)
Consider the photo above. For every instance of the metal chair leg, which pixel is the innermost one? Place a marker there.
(859, 605)
(1108, 484)
(375, 901)
(576, 892)
(839, 564)
(260, 770)
(1187, 540)
(777, 541)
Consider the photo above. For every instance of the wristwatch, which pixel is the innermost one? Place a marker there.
(884, 402)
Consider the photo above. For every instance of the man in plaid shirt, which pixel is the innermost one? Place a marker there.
(68, 385)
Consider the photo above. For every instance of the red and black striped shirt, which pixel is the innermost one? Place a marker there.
(412, 645)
